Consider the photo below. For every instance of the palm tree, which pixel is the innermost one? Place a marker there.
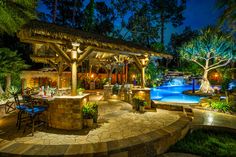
(10, 63)
(15, 13)
(210, 50)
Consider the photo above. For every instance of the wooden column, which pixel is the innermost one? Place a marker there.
(126, 71)
(74, 58)
(143, 77)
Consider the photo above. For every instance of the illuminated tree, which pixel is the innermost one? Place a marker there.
(210, 50)
(10, 63)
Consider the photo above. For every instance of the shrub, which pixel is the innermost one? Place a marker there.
(115, 89)
(220, 105)
(90, 110)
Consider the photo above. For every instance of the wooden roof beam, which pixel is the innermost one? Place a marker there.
(137, 62)
(85, 54)
(57, 49)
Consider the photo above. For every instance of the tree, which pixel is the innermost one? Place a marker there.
(104, 19)
(168, 11)
(177, 40)
(210, 50)
(65, 13)
(10, 64)
(15, 13)
(229, 13)
(142, 27)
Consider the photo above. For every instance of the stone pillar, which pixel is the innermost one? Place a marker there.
(107, 91)
(74, 73)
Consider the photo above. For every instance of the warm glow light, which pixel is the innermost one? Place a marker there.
(92, 76)
(216, 75)
(133, 76)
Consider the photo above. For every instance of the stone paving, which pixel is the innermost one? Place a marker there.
(116, 121)
(213, 119)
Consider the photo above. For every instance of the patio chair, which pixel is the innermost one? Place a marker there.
(10, 107)
(21, 107)
(34, 110)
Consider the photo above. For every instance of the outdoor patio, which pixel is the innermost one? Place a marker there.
(118, 127)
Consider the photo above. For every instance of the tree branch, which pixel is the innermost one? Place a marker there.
(221, 64)
(217, 63)
(198, 63)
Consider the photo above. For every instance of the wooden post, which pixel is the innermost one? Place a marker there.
(59, 80)
(74, 58)
(143, 77)
(126, 71)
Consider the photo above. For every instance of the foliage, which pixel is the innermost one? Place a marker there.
(207, 143)
(95, 17)
(8, 60)
(211, 44)
(142, 26)
(80, 89)
(89, 110)
(225, 84)
(15, 13)
(210, 50)
(167, 11)
(139, 101)
(13, 90)
(176, 41)
(228, 15)
(220, 105)
(115, 89)
(4, 97)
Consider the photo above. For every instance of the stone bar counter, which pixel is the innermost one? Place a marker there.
(144, 93)
(65, 112)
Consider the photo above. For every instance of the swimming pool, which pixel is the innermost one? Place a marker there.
(174, 94)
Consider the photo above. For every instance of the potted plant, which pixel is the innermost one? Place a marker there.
(115, 89)
(89, 113)
(80, 91)
(138, 102)
(142, 106)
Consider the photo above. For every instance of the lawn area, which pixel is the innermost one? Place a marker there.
(207, 143)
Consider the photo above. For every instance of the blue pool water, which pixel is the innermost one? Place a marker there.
(174, 94)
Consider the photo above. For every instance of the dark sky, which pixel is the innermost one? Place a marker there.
(198, 14)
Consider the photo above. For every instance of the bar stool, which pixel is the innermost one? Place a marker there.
(34, 110)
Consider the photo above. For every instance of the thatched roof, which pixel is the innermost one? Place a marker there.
(41, 31)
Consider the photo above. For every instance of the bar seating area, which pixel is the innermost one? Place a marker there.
(29, 111)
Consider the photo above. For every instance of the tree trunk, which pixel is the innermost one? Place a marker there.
(54, 11)
(8, 83)
(162, 29)
(205, 84)
(74, 13)
(1, 90)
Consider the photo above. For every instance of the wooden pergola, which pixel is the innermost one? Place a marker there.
(66, 47)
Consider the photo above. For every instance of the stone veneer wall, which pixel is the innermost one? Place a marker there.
(66, 113)
(144, 93)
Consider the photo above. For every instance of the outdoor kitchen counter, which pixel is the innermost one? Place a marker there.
(65, 112)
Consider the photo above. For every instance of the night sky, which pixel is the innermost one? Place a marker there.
(198, 14)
